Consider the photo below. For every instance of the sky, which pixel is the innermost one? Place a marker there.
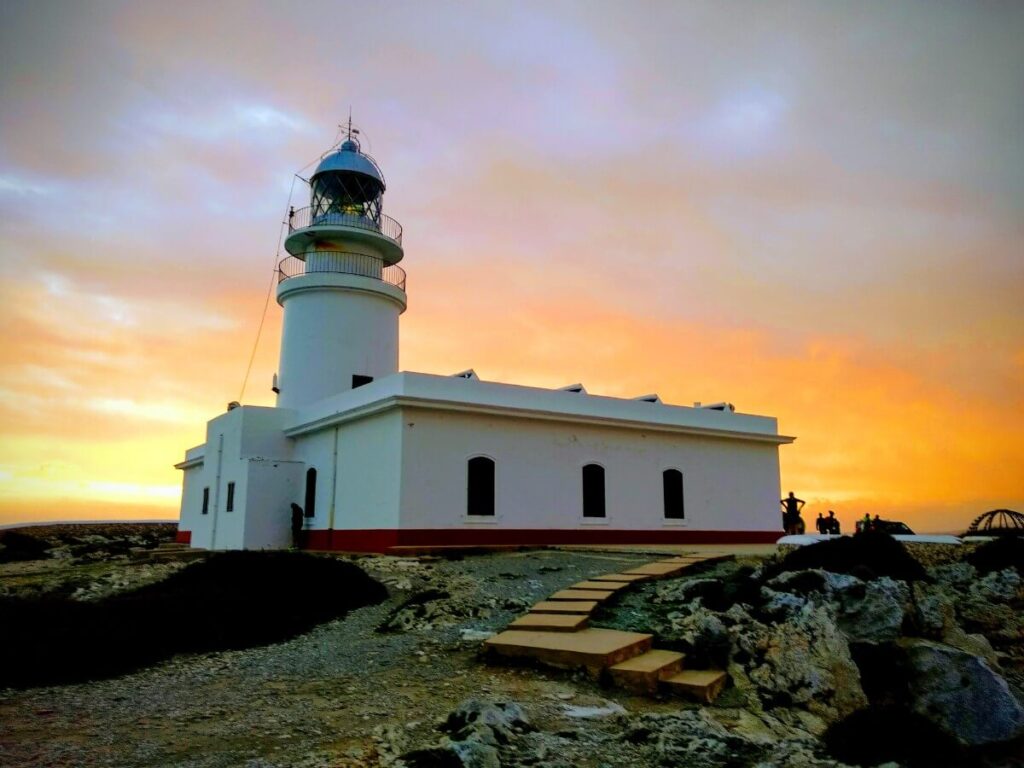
(812, 210)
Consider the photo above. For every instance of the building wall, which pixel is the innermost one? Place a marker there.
(729, 485)
(233, 440)
(270, 488)
(364, 479)
(191, 520)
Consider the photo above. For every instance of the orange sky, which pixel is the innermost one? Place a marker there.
(812, 212)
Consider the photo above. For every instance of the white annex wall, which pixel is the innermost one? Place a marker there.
(728, 484)
(270, 488)
(242, 445)
(364, 482)
(192, 519)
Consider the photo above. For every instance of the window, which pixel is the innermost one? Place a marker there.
(480, 487)
(672, 482)
(206, 500)
(593, 490)
(358, 380)
(310, 492)
(230, 507)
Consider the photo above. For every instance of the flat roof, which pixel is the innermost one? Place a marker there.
(457, 394)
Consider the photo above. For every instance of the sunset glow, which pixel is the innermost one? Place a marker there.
(816, 214)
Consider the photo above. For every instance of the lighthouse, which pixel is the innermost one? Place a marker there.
(340, 287)
(381, 460)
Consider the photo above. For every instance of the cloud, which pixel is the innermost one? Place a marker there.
(814, 213)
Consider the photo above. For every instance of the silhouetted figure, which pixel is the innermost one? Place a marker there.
(863, 526)
(791, 521)
(821, 524)
(297, 521)
(833, 523)
(876, 524)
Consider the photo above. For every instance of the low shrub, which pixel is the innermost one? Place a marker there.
(866, 556)
(1004, 552)
(228, 601)
(18, 546)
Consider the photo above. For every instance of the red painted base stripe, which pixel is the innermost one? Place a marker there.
(382, 539)
(183, 537)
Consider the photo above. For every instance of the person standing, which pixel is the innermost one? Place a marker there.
(833, 523)
(791, 519)
(821, 524)
(297, 522)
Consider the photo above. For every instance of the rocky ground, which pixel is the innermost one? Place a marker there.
(403, 682)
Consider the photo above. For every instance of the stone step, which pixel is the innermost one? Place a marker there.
(607, 586)
(626, 578)
(579, 607)
(659, 570)
(591, 648)
(581, 594)
(701, 684)
(643, 673)
(157, 555)
(550, 622)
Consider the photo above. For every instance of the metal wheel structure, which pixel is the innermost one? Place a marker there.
(997, 522)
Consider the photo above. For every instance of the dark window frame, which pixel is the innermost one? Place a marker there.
(594, 492)
(206, 500)
(309, 510)
(229, 506)
(673, 491)
(480, 487)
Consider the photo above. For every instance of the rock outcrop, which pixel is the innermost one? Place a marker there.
(962, 693)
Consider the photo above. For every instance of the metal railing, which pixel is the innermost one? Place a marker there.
(305, 217)
(343, 263)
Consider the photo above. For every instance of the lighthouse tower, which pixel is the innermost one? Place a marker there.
(341, 288)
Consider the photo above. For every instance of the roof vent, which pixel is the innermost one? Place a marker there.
(652, 398)
(717, 407)
(234, 404)
(469, 373)
(577, 388)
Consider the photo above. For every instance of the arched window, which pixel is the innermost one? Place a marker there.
(593, 490)
(480, 487)
(672, 482)
(310, 492)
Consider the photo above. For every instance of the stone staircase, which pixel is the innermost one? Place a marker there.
(166, 551)
(555, 633)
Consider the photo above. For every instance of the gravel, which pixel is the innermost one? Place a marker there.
(341, 695)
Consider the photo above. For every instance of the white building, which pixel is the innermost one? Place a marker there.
(379, 458)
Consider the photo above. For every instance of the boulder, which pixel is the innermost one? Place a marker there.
(954, 575)
(804, 662)
(962, 693)
(692, 738)
(703, 635)
(489, 722)
(477, 730)
(875, 611)
(934, 611)
(999, 586)
(871, 611)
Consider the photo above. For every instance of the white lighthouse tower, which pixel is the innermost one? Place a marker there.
(340, 289)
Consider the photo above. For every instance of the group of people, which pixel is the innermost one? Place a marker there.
(868, 525)
(828, 525)
(793, 523)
